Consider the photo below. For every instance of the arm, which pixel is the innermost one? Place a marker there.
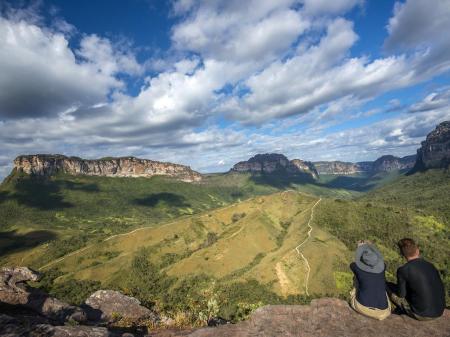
(355, 279)
(401, 284)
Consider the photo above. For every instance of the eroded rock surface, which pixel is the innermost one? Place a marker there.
(109, 305)
(14, 291)
(322, 318)
(47, 165)
(435, 150)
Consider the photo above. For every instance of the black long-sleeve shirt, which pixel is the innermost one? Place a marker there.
(419, 282)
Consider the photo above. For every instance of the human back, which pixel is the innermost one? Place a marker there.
(424, 288)
(419, 290)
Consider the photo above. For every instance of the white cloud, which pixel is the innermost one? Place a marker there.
(40, 74)
(418, 23)
(105, 59)
(329, 7)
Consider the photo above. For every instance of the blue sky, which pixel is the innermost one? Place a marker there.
(210, 83)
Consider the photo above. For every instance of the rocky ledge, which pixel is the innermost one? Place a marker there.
(435, 150)
(327, 317)
(47, 165)
(25, 311)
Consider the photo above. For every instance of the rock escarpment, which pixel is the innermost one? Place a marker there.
(269, 163)
(336, 167)
(47, 165)
(383, 164)
(435, 150)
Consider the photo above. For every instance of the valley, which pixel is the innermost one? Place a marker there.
(269, 231)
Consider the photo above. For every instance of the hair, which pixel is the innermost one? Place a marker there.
(407, 247)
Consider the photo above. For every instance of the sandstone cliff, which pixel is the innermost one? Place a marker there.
(275, 163)
(46, 165)
(435, 150)
(383, 164)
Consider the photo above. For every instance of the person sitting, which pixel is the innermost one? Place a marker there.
(369, 294)
(419, 291)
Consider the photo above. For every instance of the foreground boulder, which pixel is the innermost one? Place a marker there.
(14, 291)
(109, 305)
(12, 327)
(322, 318)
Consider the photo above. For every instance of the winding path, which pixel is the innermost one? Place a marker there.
(205, 213)
(297, 249)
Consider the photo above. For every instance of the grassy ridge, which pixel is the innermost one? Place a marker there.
(67, 212)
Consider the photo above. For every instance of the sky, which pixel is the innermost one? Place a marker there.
(210, 83)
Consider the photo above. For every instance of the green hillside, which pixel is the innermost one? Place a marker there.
(69, 211)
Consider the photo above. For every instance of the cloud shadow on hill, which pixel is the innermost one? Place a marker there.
(281, 181)
(42, 193)
(12, 242)
(154, 199)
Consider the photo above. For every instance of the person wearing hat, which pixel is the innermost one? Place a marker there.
(369, 296)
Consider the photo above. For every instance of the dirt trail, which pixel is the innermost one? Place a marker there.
(297, 249)
(205, 213)
(283, 279)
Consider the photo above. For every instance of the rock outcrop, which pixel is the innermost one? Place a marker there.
(325, 317)
(336, 167)
(435, 150)
(47, 165)
(109, 305)
(14, 291)
(270, 163)
(383, 164)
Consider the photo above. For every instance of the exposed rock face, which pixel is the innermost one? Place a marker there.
(390, 163)
(46, 165)
(13, 327)
(273, 162)
(383, 164)
(13, 291)
(336, 167)
(322, 318)
(108, 304)
(435, 150)
(306, 167)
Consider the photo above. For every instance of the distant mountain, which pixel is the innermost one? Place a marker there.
(269, 163)
(383, 164)
(47, 165)
(435, 150)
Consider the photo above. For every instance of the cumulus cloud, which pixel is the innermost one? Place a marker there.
(418, 23)
(329, 7)
(40, 73)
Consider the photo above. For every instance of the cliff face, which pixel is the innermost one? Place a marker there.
(390, 163)
(435, 150)
(47, 165)
(336, 167)
(383, 164)
(273, 162)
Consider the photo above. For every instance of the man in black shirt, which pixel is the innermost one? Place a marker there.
(419, 290)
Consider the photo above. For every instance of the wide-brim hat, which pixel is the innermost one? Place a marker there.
(369, 258)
